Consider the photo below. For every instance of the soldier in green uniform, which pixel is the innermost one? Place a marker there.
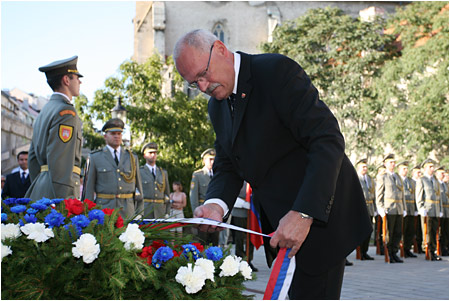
(55, 152)
(155, 182)
(390, 201)
(429, 204)
(440, 171)
(416, 175)
(199, 186)
(368, 187)
(113, 174)
(411, 209)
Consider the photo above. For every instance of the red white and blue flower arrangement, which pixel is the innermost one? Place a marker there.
(68, 249)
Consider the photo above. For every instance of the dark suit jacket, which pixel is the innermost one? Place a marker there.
(287, 144)
(14, 188)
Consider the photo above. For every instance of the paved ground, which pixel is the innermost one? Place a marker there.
(416, 278)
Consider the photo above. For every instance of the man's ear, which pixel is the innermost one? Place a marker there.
(65, 80)
(220, 48)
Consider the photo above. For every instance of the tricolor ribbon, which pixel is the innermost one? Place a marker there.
(283, 269)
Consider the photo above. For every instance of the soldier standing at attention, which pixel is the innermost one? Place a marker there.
(429, 204)
(416, 175)
(411, 209)
(368, 187)
(155, 182)
(390, 201)
(54, 157)
(444, 219)
(113, 174)
(199, 186)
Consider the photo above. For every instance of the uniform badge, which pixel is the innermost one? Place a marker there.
(65, 132)
(66, 112)
(192, 185)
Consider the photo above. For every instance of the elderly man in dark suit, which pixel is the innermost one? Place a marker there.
(17, 183)
(273, 131)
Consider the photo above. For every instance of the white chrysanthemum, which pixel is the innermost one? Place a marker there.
(6, 250)
(230, 266)
(245, 270)
(192, 279)
(37, 231)
(87, 247)
(208, 266)
(10, 231)
(133, 237)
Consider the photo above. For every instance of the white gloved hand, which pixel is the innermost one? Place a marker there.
(404, 213)
(441, 214)
(381, 212)
(416, 213)
(423, 212)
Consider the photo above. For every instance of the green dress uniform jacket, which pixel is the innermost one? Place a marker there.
(369, 193)
(114, 185)
(410, 198)
(444, 199)
(156, 192)
(428, 196)
(54, 157)
(389, 193)
(199, 186)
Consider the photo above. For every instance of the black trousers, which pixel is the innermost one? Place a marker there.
(408, 231)
(419, 234)
(394, 231)
(432, 228)
(444, 234)
(326, 286)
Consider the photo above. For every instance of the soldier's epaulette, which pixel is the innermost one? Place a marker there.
(96, 151)
(198, 171)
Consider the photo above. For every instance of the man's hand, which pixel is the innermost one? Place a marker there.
(211, 211)
(291, 232)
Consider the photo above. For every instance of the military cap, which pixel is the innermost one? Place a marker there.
(61, 67)
(210, 152)
(150, 147)
(389, 157)
(362, 161)
(403, 163)
(428, 162)
(417, 167)
(113, 125)
(441, 168)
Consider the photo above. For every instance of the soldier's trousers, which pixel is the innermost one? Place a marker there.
(394, 231)
(444, 235)
(419, 234)
(432, 227)
(408, 231)
(365, 244)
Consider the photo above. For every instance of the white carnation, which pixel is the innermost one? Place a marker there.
(87, 247)
(37, 231)
(10, 231)
(208, 266)
(133, 237)
(192, 279)
(230, 266)
(6, 250)
(245, 270)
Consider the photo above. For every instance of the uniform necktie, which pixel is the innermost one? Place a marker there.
(210, 174)
(153, 173)
(115, 157)
(231, 101)
(22, 178)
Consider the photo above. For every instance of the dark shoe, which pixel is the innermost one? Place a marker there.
(435, 257)
(366, 256)
(253, 267)
(408, 253)
(396, 258)
(348, 263)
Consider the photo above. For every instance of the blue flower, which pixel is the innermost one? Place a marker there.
(54, 219)
(214, 253)
(10, 201)
(57, 201)
(4, 217)
(21, 223)
(38, 206)
(30, 218)
(77, 228)
(32, 211)
(80, 220)
(18, 208)
(23, 201)
(98, 215)
(46, 201)
(191, 248)
(161, 255)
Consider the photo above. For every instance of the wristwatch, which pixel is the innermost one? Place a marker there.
(306, 216)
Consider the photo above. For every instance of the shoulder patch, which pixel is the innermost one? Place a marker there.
(67, 112)
(192, 185)
(96, 151)
(65, 132)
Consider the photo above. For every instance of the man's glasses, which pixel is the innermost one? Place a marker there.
(201, 78)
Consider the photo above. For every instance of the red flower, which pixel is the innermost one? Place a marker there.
(176, 254)
(146, 252)
(90, 204)
(156, 244)
(199, 246)
(74, 206)
(119, 221)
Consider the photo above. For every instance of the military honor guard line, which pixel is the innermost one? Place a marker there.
(408, 214)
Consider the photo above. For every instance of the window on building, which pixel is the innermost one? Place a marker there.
(219, 32)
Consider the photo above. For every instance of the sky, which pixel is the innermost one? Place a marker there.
(36, 33)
